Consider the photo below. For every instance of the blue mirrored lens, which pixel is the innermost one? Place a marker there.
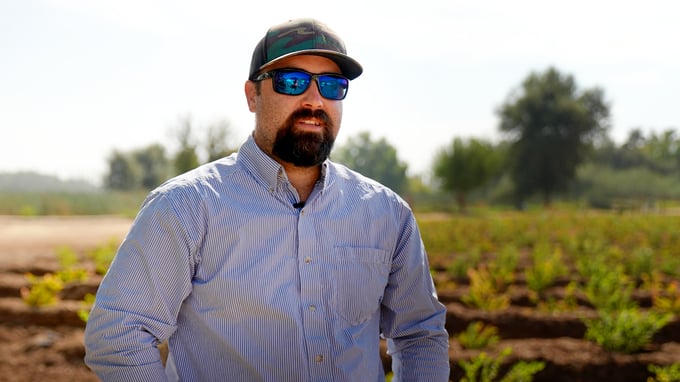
(295, 82)
(332, 87)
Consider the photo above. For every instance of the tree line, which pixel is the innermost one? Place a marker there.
(554, 143)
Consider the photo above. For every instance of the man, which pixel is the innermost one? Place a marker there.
(274, 264)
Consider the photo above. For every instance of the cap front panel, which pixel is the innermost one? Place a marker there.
(301, 38)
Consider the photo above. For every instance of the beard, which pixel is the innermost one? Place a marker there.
(303, 148)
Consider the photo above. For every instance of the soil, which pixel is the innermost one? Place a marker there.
(47, 343)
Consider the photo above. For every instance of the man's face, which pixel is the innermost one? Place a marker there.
(298, 130)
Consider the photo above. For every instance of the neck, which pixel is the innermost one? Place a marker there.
(303, 179)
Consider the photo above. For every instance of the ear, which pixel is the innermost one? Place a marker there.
(251, 95)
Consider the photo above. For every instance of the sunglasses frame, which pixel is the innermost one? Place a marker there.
(312, 78)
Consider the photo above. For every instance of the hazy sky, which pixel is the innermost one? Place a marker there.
(80, 78)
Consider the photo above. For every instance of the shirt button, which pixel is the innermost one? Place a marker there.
(312, 308)
(318, 358)
(308, 260)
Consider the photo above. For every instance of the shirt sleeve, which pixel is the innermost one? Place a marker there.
(139, 298)
(413, 319)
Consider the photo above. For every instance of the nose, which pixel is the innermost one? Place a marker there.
(312, 97)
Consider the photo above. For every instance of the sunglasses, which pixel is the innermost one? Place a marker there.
(297, 81)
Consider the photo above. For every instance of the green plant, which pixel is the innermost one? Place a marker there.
(484, 368)
(669, 373)
(44, 290)
(504, 266)
(609, 289)
(478, 335)
(459, 266)
(546, 267)
(640, 262)
(567, 303)
(84, 311)
(69, 266)
(103, 255)
(625, 331)
(668, 298)
(483, 293)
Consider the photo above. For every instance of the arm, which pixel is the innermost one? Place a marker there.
(412, 317)
(139, 298)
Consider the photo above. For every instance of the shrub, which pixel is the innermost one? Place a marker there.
(546, 267)
(670, 373)
(43, 291)
(484, 368)
(609, 289)
(483, 293)
(626, 331)
(103, 256)
(477, 335)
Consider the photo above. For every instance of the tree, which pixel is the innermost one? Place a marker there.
(465, 166)
(218, 140)
(154, 165)
(375, 159)
(551, 125)
(186, 157)
(124, 172)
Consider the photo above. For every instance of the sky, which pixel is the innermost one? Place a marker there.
(82, 78)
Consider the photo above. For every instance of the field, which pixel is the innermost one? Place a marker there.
(591, 296)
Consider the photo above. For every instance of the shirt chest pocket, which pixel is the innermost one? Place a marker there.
(361, 275)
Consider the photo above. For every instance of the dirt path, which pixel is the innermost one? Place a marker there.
(25, 239)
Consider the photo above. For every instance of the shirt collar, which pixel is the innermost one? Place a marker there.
(268, 171)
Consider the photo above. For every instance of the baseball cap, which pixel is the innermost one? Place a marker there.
(302, 36)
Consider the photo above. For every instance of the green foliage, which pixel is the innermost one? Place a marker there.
(144, 169)
(668, 373)
(186, 157)
(640, 263)
(218, 141)
(465, 166)
(376, 159)
(609, 289)
(502, 268)
(547, 265)
(124, 172)
(667, 298)
(610, 188)
(484, 368)
(552, 125)
(84, 312)
(154, 165)
(103, 255)
(44, 290)
(63, 204)
(458, 266)
(483, 293)
(625, 331)
(477, 335)
(69, 266)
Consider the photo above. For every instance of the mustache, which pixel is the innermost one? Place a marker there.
(309, 113)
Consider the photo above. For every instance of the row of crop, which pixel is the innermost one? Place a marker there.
(486, 368)
(577, 234)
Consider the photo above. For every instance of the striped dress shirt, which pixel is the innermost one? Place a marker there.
(244, 286)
